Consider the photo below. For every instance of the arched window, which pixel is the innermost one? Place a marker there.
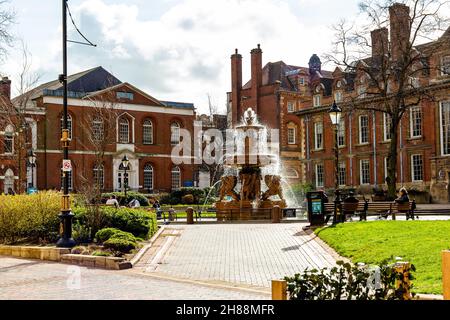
(99, 176)
(69, 124)
(147, 132)
(9, 140)
(175, 133)
(97, 128)
(124, 130)
(148, 177)
(176, 178)
(8, 183)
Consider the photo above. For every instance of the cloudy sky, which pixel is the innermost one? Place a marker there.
(176, 50)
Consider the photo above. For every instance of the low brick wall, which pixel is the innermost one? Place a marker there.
(42, 253)
(63, 255)
(112, 263)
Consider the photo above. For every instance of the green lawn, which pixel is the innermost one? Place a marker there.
(419, 242)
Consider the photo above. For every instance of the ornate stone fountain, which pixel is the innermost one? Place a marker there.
(241, 196)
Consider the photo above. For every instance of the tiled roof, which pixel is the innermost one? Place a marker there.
(280, 71)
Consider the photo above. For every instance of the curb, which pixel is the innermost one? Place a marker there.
(144, 249)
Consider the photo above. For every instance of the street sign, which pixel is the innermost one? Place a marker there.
(67, 166)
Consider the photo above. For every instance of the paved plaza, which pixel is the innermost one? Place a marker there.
(250, 254)
(33, 279)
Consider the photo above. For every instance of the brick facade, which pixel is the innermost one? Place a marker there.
(137, 109)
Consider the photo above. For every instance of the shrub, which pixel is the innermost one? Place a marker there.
(187, 199)
(348, 282)
(78, 250)
(119, 246)
(139, 222)
(195, 196)
(104, 234)
(81, 233)
(101, 253)
(30, 217)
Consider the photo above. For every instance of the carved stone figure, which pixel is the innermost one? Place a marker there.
(251, 186)
(227, 187)
(274, 184)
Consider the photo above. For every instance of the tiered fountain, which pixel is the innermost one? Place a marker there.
(251, 162)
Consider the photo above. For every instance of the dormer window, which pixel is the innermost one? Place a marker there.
(125, 95)
(301, 81)
(317, 100)
(339, 84)
(338, 96)
(290, 106)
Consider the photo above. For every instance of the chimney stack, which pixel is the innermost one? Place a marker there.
(5, 88)
(256, 81)
(236, 86)
(400, 29)
(380, 42)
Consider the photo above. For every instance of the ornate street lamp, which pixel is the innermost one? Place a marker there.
(31, 156)
(125, 163)
(335, 116)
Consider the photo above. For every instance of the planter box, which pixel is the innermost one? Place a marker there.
(41, 253)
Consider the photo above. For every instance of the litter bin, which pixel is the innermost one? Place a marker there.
(190, 215)
(316, 208)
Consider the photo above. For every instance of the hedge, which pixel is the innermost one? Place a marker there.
(30, 217)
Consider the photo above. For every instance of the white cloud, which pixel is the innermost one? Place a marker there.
(188, 49)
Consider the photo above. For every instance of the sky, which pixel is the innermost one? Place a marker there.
(177, 50)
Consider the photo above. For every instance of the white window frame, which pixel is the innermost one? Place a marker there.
(386, 126)
(99, 176)
(316, 146)
(148, 169)
(290, 106)
(412, 112)
(301, 81)
(360, 129)
(97, 129)
(317, 175)
(338, 96)
(175, 137)
(441, 123)
(361, 175)
(385, 169)
(317, 100)
(147, 132)
(175, 174)
(413, 176)
(292, 135)
(122, 124)
(9, 136)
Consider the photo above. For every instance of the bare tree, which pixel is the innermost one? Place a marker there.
(7, 18)
(99, 128)
(13, 114)
(389, 70)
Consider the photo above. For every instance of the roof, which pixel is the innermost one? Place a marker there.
(180, 105)
(280, 71)
(78, 84)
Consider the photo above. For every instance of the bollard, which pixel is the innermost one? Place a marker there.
(404, 268)
(276, 214)
(279, 290)
(190, 215)
(446, 273)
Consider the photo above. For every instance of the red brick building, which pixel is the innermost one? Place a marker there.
(423, 164)
(145, 130)
(296, 100)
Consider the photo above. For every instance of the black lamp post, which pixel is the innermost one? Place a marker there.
(125, 163)
(31, 156)
(66, 215)
(335, 115)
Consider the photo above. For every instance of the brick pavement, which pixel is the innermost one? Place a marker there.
(248, 254)
(33, 279)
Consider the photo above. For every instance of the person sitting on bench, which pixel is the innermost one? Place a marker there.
(350, 199)
(402, 198)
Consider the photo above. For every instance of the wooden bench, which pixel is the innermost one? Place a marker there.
(384, 209)
(357, 208)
